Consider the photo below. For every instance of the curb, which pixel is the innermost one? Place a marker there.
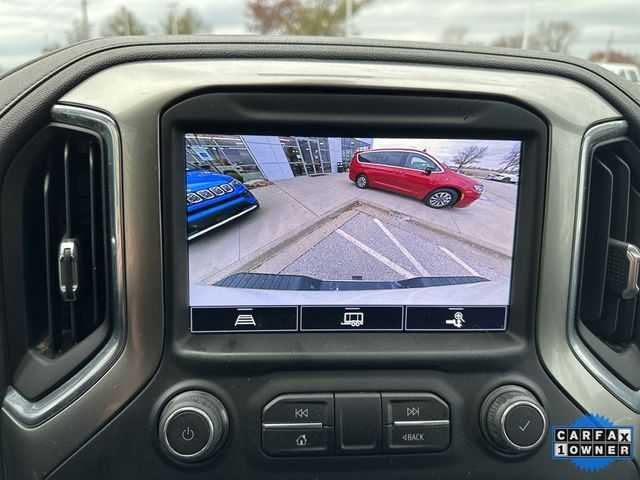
(274, 247)
(423, 223)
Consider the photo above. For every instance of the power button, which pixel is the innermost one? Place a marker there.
(187, 434)
(188, 431)
(193, 426)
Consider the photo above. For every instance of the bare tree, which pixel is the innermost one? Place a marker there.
(508, 41)
(51, 46)
(78, 31)
(469, 156)
(455, 34)
(272, 16)
(614, 56)
(302, 17)
(554, 36)
(123, 22)
(550, 36)
(186, 22)
(511, 160)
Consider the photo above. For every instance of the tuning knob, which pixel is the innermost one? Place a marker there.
(193, 426)
(513, 420)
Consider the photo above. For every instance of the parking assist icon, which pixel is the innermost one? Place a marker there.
(457, 320)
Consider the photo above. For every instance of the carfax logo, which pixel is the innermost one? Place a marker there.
(592, 442)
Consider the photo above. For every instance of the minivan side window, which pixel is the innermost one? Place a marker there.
(368, 157)
(418, 162)
(392, 159)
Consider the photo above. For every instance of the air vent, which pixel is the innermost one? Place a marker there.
(612, 238)
(609, 306)
(56, 257)
(74, 244)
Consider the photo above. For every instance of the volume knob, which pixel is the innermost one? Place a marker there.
(193, 426)
(513, 420)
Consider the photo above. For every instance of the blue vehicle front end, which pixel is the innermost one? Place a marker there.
(214, 199)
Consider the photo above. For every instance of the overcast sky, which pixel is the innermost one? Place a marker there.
(26, 26)
(445, 149)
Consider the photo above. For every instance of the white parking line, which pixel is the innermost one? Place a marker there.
(460, 262)
(393, 266)
(402, 248)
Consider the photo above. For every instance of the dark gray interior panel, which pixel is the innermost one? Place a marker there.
(266, 86)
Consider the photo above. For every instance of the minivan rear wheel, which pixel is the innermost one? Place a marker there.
(441, 198)
(362, 181)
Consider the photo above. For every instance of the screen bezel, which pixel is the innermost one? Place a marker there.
(352, 112)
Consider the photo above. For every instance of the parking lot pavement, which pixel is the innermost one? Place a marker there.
(370, 248)
(291, 206)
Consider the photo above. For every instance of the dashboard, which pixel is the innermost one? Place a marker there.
(247, 258)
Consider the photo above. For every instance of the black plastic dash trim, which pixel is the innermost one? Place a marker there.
(268, 281)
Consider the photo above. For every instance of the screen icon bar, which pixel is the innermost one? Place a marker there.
(371, 318)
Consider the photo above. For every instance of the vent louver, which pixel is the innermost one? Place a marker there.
(608, 302)
(73, 241)
(61, 229)
(57, 261)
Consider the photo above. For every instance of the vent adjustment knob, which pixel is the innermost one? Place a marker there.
(513, 420)
(193, 427)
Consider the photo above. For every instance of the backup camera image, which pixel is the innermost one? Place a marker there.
(351, 223)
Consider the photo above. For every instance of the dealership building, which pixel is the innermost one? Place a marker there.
(272, 157)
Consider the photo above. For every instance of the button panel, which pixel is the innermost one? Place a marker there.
(366, 423)
(349, 318)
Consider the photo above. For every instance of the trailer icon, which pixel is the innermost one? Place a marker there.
(353, 319)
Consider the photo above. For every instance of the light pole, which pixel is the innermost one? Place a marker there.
(525, 33)
(607, 52)
(348, 17)
(84, 25)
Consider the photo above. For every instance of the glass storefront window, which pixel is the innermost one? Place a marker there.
(349, 147)
(230, 154)
(307, 155)
(292, 151)
(225, 154)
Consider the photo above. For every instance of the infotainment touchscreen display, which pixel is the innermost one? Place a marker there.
(311, 234)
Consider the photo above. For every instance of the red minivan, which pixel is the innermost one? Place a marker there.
(416, 174)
